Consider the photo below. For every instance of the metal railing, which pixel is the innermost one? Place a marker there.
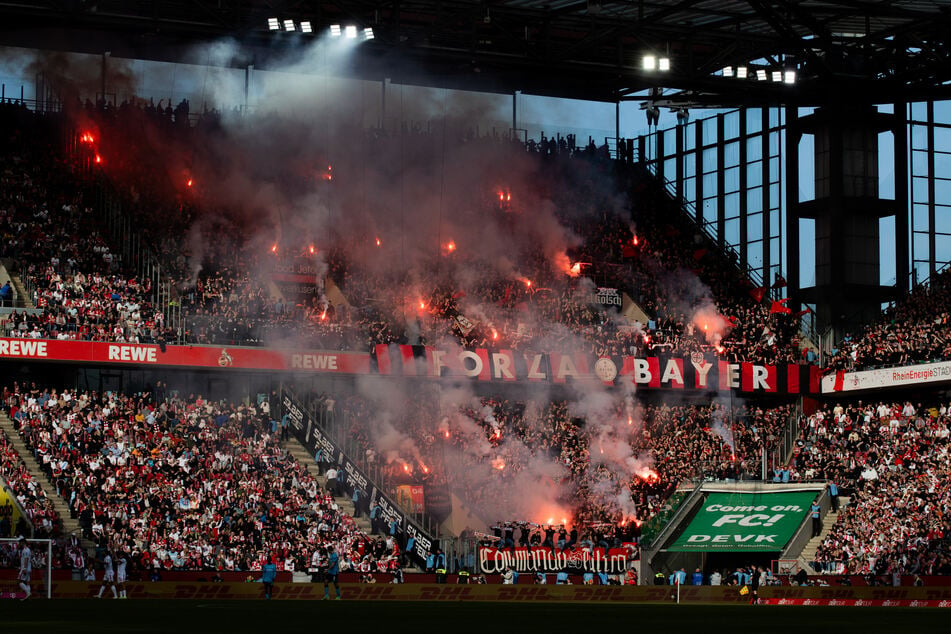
(338, 427)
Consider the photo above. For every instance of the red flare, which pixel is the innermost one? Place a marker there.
(634, 241)
(508, 197)
(501, 196)
(189, 183)
(274, 248)
(87, 137)
(98, 159)
(424, 467)
(575, 270)
(422, 305)
(311, 249)
(323, 315)
(630, 420)
(450, 246)
(528, 283)
(378, 242)
(406, 468)
(495, 334)
(498, 433)
(446, 433)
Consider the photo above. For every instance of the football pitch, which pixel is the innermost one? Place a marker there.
(270, 617)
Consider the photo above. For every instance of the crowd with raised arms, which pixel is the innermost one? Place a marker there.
(186, 484)
(891, 460)
(914, 330)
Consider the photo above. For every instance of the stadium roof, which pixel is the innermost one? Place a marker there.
(865, 50)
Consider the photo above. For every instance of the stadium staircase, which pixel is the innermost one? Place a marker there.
(70, 524)
(300, 453)
(808, 554)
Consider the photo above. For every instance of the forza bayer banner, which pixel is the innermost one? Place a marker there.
(749, 522)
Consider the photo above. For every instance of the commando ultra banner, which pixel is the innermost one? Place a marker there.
(745, 522)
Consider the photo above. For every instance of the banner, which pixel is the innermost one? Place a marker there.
(228, 357)
(697, 372)
(608, 297)
(550, 593)
(309, 433)
(411, 496)
(9, 507)
(910, 375)
(543, 559)
(705, 373)
(757, 522)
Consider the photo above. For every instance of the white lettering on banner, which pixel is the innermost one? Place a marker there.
(494, 560)
(132, 353)
(756, 519)
(733, 375)
(672, 373)
(438, 363)
(354, 476)
(566, 367)
(702, 371)
(477, 363)
(314, 361)
(17, 348)
(760, 375)
(533, 368)
(423, 544)
(727, 539)
(503, 366)
(642, 373)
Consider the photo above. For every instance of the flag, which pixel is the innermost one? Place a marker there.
(779, 306)
(780, 281)
(839, 381)
(802, 312)
(758, 293)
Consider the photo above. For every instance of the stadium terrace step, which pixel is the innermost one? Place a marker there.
(299, 453)
(808, 554)
(70, 524)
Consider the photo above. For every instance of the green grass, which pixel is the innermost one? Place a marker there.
(181, 616)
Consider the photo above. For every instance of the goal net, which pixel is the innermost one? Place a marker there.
(41, 577)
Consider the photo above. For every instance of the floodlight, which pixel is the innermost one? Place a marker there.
(728, 71)
(741, 72)
(649, 62)
(273, 24)
(777, 75)
(305, 27)
(761, 74)
(368, 33)
(790, 77)
(663, 63)
(350, 32)
(288, 25)
(335, 30)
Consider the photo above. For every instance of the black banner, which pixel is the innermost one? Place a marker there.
(313, 438)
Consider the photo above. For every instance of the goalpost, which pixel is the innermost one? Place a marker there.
(42, 550)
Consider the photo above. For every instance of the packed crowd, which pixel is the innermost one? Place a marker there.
(182, 483)
(227, 293)
(892, 461)
(914, 330)
(489, 451)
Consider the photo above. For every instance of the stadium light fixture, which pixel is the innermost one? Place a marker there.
(273, 24)
(335, 30)
(761, 74)
(728, 71)
(663, 63)
(777, 75)
(305, 27)
(289, 25)
(368, 34)
(741, 72)
(789, 77)
(649, 62)
(351, 32)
